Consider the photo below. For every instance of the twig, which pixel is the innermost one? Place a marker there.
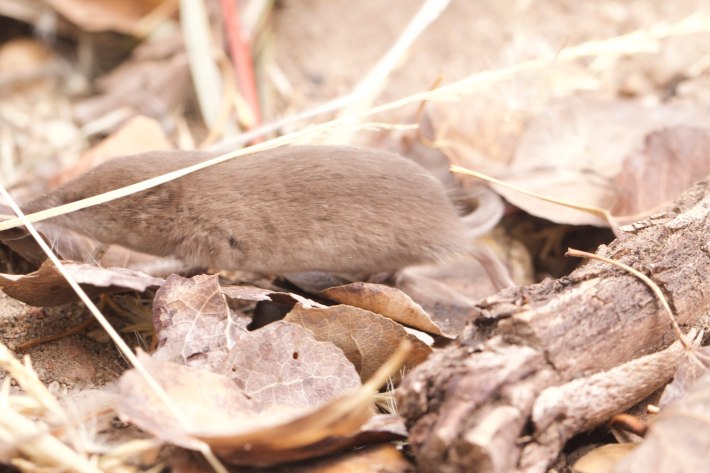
(58, 336)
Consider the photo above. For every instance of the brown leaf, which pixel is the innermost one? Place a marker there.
(376, 459)
(206, 402)
(316, 281)
(366, 338)
(385, 458)
(103, 15)
(679, 439)
(576, 148)
(137, 135)
(280, 420)
(251, 293)
(380, 428)
(447, 291)
(283, 363)
(671, 161)
(695, 365)
(153, 81)
(603, 459)
(193, 324)
(47, 287)
(247, 293)
(387, 301)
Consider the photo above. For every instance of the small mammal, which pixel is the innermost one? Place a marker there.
(290, 209)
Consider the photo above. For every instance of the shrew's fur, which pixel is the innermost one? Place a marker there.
(295, 208)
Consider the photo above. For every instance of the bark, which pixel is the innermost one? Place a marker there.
(538, 364)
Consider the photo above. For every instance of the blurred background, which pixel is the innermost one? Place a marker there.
(594, 103)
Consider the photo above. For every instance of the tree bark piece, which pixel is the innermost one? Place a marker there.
(479, 404)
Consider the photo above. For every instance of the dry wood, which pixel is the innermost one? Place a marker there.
(538, 364)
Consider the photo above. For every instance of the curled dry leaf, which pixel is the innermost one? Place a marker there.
(380, 428)
(46, 287)
(387, 301)
(385, 458)
(366, 338)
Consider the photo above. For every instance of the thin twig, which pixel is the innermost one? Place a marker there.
(57, 336)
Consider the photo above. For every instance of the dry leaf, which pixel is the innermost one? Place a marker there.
(206, 402)
(221, 406)
(284, 364)
(316, 281)
(248, 293)
(447, 291)
(603, 459)
(287, 397)
(193, 324)
(251, 293)
(679, 439)
(387, 301)
(269, 425)
(377, 458)
(695, 365)
(103, 15)
(672, 160)
(137, 135)
(47, 287)
(152, 82)
(576, 148)
(26, 63)
(366, 338)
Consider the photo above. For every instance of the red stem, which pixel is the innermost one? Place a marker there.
(240, 50)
